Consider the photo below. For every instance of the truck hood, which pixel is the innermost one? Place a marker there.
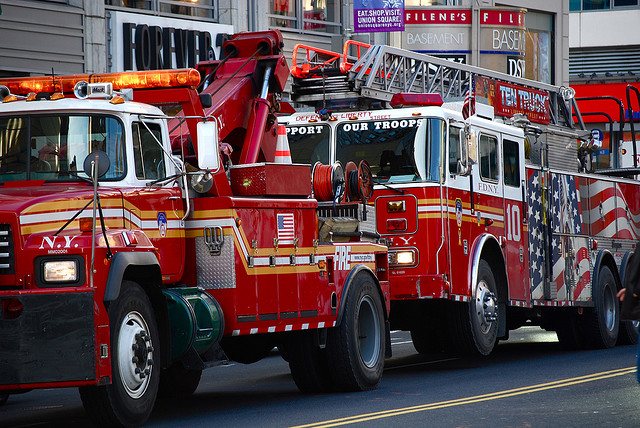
(47, 207)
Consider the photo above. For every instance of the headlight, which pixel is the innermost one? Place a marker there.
(60, 271)
(403, 258)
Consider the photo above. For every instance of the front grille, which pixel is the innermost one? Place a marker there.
(7, 254)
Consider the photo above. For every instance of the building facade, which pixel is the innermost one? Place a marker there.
(604, 59)
(527, 38)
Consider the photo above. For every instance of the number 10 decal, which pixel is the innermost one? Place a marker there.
(513, 223)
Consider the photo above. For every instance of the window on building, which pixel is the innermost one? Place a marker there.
(204, 9)
(539, 49)
(625, 3)
(511, 164)
(308, 15)
(595, 4)
(488, 148)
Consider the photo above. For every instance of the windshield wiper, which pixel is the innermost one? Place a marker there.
(164, 179)
(74, 175)
(376, 180)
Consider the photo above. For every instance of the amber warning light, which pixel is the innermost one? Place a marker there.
(186, 77)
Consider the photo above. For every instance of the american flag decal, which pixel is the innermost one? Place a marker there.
(286, 228)
(570, 274)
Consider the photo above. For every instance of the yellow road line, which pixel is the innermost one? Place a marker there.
(470, 400)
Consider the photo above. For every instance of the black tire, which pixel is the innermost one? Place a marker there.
(355, 348)
(129, 399)
(428, 340)
(176, 381)
(627, 332)
(601, 321)
(475, 324)
(307, 362)
(3, 399)
(569, 333)
(422, 339)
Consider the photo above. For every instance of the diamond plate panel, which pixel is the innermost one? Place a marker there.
(216, 272)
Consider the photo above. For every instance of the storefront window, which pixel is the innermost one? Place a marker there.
(539, 47)
(595, 4)
(205, 9)
(309, 15)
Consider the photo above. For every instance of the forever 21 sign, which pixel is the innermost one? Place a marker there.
(153, 47)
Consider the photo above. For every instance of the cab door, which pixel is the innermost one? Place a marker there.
(156, 206)
(515, 243)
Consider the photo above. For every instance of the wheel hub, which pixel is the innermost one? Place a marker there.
(135, 354)
(368, 332)
(485, 306)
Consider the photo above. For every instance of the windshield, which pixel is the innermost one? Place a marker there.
(309, 143)
(391, 149)
(54, 147)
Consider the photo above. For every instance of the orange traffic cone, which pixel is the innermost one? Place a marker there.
(283, 154)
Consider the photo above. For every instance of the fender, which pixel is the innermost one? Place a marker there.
(119, 264)
(600, 258)
(623, 267)
(476, 252)
(352, 274)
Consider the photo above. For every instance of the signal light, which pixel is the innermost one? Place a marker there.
(396, 207)
(185, 77)
(86, 224)
(396, 225)
(405, 99)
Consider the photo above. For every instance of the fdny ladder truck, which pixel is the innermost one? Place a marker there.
(490, 220)
(125, 272)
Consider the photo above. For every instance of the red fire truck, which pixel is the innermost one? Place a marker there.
(125, 270)
(480, 192)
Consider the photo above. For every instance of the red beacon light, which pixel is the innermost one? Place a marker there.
(404, 99)
(186, 77)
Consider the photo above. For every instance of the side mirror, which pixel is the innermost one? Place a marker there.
(463, 166)
(471, 143)
(208, 157)
(100, 161)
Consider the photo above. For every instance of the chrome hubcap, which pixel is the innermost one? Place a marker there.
(135, 354)
(485, 306)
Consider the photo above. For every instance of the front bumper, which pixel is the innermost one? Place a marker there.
(46, 337)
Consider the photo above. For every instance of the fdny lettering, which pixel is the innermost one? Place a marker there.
(57, 244)
(485, 187)
(342, 260)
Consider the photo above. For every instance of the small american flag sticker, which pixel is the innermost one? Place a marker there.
(286, 228)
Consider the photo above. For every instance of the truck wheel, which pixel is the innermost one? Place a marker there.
(601, 326)
(3, 399)
(176, 381)
(427, 340)
(569, 333)
(307, 362)
(355, 348)
(422, 339)
(475, 325)
(628, 332)
(129, 399)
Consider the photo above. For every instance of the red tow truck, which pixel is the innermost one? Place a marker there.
(133, 256)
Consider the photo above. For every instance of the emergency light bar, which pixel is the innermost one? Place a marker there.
(184, 77)
(404, 99)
